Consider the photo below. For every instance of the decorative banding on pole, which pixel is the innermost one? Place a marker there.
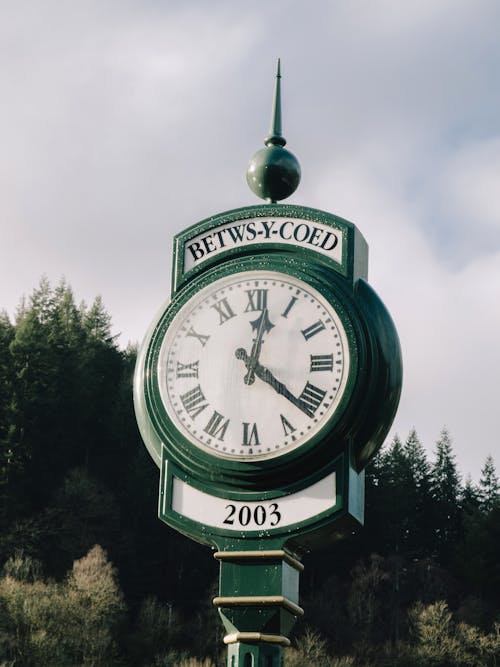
(259, 601)
(254, 637)
(264, 555)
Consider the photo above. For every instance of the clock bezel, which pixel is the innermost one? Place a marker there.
(201, 386)
(320, 448)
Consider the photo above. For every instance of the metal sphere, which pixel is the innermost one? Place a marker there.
(273, 173)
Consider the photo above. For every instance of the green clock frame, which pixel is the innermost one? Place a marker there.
(365, 413)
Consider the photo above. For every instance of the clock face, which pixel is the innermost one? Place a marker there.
(253, 365)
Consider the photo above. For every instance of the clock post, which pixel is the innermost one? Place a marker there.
(262, 390)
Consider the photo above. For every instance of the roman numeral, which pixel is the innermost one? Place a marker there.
(224, 309)
(312, 396)
(250, 434)
(287, 427)
(289, 307)
(321, 362)
(257, 299)
(203, 339)
(217, 426)
(187, 370)
(314, 329)
(194, 401)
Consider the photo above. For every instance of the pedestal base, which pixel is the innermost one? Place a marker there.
(255, 654)
(258, 603)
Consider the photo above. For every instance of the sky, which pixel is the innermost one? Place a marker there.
(124, 122)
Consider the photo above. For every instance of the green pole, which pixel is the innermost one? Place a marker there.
(259, 654)
(258, 604)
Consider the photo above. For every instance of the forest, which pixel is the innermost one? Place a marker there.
(89, 575)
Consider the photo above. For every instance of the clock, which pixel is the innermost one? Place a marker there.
(253, 365)
(248, 374)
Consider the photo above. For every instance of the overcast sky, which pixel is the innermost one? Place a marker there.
(122, 123)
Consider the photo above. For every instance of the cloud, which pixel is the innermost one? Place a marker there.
(447, 316)
(125, 122)
(467, 198)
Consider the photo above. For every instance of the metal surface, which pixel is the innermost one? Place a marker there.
(274, 172)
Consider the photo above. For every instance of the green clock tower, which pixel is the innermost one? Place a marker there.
(262, 390)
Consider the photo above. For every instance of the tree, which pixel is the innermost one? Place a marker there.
(370, 600)
(59, 624)
(7, 462)
(82, 513)
(97, 321)
(399, 501)
(98, 606)
(419, 501)
(446, 493)
(489, 494)
(389, 481)
(439, 640)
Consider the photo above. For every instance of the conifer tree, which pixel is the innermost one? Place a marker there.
(489, 494)
(389, 505)
(419, 505)
(7, 461)
(446, 492)
(97, 321)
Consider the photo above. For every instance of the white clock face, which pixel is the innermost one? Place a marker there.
(253, 365)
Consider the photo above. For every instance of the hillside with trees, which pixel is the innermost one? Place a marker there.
(90, 576)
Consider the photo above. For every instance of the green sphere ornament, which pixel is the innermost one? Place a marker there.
(274, 173)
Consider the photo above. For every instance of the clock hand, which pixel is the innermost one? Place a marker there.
(266, 376)
(261, 325)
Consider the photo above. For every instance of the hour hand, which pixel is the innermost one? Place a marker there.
(261, 326)
(265, 375)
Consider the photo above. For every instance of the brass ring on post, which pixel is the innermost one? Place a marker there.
(264, 555)
(254, 637)
(259, 600)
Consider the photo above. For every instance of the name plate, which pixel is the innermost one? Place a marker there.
(237, 515)
(313, 235)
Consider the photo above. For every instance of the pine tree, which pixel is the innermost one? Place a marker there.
(489, 494)
(446, 492)
(420, 502)
(470, 495)
(32, 403)
(417, 461)
(6, 377)
(392, 500)
(97, 321)
(394, 478)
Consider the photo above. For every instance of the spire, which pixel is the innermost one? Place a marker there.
(275, 138)
(274, 173)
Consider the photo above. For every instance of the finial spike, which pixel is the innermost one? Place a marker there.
(275, 138)
(274, 173)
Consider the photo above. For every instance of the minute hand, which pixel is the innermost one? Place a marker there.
(266, 376)
(261, 325)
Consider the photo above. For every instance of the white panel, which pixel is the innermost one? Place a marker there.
(290, 231)
(256, 515)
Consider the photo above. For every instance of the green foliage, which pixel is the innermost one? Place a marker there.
(23, 568)
(309, 649)
(436, 640)
(446, 492)
(194, 662)
(440, 641)
(83, 512)
(97, 607)
(489, 494)
(61, 624)
(418, 586)
(368, 601)
(157, 631)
